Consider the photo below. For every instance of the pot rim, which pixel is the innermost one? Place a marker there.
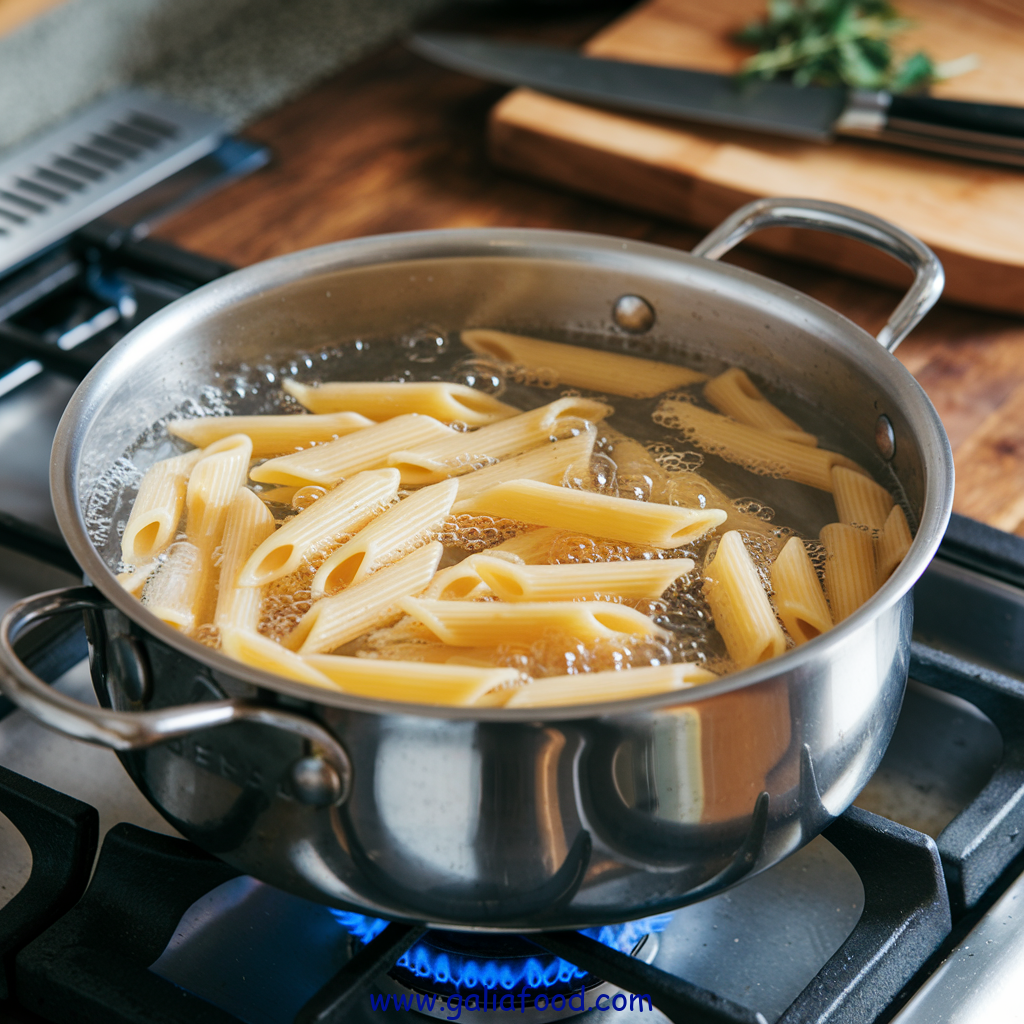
(483, 242)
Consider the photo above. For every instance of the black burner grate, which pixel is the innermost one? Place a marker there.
(76, 958)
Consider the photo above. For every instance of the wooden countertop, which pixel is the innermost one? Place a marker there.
(396, 144)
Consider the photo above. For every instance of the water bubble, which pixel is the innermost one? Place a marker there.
(305, 496)
(602, 471)
(424, 346)
(480, 374)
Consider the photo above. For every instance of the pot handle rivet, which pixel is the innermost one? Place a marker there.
(316, 783)
(633, 313)
(885, 437)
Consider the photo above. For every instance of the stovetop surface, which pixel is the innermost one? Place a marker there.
(259, 954)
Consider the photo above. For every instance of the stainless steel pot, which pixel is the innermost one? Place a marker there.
(504, 820)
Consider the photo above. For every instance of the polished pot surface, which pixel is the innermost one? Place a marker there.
(492, 818)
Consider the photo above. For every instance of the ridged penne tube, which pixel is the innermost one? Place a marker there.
(597, 687)
(349, 507)
(252, 649)
(850, 574)
(175, 592)
(742, 611)
(326, 464)
(692, 491)
(642, 578)
(333, 621)
(462, 582)
(611, 372)
(402, 527)
(859, 500)
(382, 400)
(270, 435)
(458, 453)
(548, 464)
(212, 485)
(488, 623)
(755, 450)
(636, 470)
(248, 524)
(637, 522)
(735, 394)
(414, 682)
(134, 581)
(799, 600)
(278, 495)
(533, 547)
(155, 515)
(893, 543)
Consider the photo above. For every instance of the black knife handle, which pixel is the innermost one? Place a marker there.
(930, 115)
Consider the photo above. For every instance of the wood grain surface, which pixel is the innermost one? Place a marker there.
(969, 213)
(396, 144)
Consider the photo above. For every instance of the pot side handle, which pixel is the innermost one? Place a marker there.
(836, 219)
(323, 779)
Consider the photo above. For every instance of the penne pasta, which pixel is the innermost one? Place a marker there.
(252, 649)
(533, 546)
(211, 488)
(859, 500)
(346, 509)
(549, 464)
(489, 623)
(636, 470)
(175, 593)
(402, 527)
(270, 435)
(755, 450)
(642, 578)
(375, 602)
(135, 580)
(893, 543)
(596, 687)
(278, 495)
(742, 611)
(462, 582)
(248, 524)
(850, 573)
(578, 367)
(461, 452)
(799, 600)
(693, 491)
(734, 394)
(414, 682)
(156, 513)
(326, 464)
(637, 522)
(381, 400)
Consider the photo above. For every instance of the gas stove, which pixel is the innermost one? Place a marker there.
(903, 909)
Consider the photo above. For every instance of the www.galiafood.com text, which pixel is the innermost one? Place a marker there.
(511, 1002)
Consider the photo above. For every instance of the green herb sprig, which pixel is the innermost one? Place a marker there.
(834, 42)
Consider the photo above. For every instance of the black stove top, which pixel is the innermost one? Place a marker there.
(163, 932)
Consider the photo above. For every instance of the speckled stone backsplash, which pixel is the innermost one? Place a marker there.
(236, 58)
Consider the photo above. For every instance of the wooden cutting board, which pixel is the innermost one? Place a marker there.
(971, 214)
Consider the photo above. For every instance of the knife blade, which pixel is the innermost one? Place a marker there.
(977, 131)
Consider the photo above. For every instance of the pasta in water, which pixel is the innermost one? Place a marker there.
(465, 534)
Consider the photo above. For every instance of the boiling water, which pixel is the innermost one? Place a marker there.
(766, 510)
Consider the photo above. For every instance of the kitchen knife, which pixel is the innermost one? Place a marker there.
(978, 131)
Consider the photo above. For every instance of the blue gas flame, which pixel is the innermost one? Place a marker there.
(536, 972)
